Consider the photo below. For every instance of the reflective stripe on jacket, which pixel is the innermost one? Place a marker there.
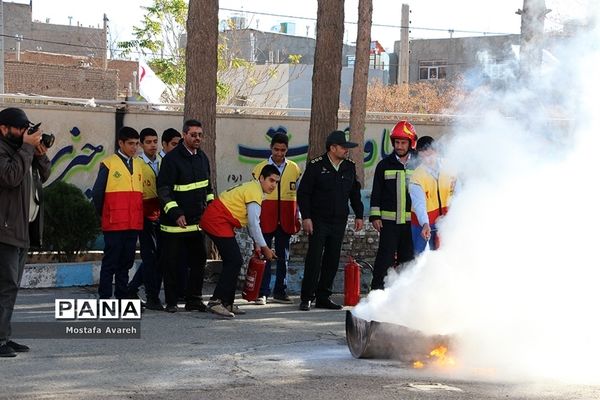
(122, 208)
(280, 207)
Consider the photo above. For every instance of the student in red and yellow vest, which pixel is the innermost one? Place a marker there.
(117, 195)
(235, 208)
(430, 190)
(184, 189)
(279, 217)
(148, 273)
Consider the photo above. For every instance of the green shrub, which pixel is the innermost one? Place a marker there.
(70, 221)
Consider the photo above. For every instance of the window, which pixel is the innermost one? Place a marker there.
(432, 70)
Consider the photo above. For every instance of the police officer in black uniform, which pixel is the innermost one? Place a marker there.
(327, 185)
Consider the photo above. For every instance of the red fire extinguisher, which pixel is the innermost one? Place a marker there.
(352, 281)
(254, 274)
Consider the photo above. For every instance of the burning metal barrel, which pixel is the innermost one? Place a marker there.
(374, 339)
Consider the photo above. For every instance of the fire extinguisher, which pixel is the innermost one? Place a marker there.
(352, 281)
(254, 274)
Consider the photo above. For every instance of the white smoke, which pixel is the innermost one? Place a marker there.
(517, 278)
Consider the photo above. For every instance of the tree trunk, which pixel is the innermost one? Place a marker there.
(201, 73)
(358, 103)
(327, 74)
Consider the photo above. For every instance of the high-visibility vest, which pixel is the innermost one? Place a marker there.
(437, 193)
(122, 209)
(150, 194)
(280, 206)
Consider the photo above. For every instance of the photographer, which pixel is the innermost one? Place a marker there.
(23, 161)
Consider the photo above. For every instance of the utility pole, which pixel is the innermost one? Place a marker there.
(404, 50)
(18, 39)
(105, 37)
(532, 36)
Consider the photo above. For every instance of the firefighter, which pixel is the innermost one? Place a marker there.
(279, 217)
(390, 212)
(235, 208)
(430, 190)
(328, 183)
(184, 189)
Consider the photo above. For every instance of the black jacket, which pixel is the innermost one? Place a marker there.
(15, 191)
(183, 186)
(385, 197)
(323, 193)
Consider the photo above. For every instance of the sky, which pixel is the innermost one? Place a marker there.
(468, 15)
(429, 18)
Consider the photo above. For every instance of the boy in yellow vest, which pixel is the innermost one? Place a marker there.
(148, 273)
(430, 191)
(117, 195)
(279, 216)
(235, 208)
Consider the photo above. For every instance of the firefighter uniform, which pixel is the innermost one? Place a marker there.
(323, 197)
(390, 202)
(184, 188)
(279, 221)
(117, 195)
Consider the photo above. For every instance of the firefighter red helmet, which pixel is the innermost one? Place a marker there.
(404, 130)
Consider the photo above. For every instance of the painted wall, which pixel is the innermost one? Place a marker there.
(84, 136)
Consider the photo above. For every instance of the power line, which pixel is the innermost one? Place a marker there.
(378, 25)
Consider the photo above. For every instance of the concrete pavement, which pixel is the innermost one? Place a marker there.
(273, 352)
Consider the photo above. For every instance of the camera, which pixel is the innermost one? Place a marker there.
(47, 138)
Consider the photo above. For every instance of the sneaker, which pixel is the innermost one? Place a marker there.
(304, 305)
(195, 306)
(261, 301)
(236, 310)
(19, 348)
(7, 351)
(171, 309)
(154, 305)
(282, 298)
(216, 307)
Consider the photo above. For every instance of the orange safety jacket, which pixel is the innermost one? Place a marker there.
(280, 207)
(150, 194)
(122, 208)
(437, 193)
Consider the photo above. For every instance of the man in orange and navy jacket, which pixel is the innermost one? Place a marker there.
(279, 217)
(117, 195)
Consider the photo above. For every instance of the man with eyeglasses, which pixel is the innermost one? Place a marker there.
(184, 189)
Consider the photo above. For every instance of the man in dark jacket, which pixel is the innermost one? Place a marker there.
(21, 155)
(328, 183)
(391, 204)
(184, 189)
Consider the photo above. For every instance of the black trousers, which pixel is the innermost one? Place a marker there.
(12, 263)
(395, 248)
(119, 255)
(172, 246)
(232, 264)
(150, 270)
(322, 259)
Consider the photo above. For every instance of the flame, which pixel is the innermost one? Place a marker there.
(438, 357)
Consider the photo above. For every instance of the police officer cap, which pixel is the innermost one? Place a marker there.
(14, 117)
(339, 138)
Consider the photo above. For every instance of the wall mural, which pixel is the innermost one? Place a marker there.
(71, 162)
(251, 155)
